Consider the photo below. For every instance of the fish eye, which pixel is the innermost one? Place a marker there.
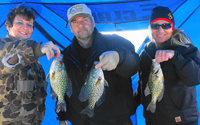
(61, 62)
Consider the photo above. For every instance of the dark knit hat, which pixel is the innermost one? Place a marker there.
(162, 13)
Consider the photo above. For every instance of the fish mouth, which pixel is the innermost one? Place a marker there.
(59, 57)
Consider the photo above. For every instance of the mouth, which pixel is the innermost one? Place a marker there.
(160, 36)
(23, 33)
(82, 30)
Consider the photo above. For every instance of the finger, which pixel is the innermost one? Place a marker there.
(54, 47)
(52, 54)
(100, 64)
(166, 57)
(106, 66)
(111, 67)
(57, 50)
(103, 62)
(171, 53)
(157, 57)
(162, 56)
(47, 54)
(102, 56)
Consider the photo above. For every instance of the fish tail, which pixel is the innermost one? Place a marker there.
(151, 107)
(61, 106)
(89, 111)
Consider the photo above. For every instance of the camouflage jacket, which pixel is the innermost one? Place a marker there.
(22, 83)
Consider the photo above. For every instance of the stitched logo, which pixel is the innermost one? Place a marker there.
(170, 16)
(75, 9)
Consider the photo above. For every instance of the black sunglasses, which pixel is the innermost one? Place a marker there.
(164, 26)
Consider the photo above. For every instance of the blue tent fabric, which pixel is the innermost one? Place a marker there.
(110, 15)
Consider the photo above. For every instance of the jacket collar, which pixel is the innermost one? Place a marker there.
(11, 38)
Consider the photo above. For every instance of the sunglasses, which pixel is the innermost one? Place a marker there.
(164, 26)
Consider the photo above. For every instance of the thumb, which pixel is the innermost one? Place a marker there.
(100, 60)
(101, 56)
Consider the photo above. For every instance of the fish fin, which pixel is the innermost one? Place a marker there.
(105, 83)
(48, 75)
(53, 76)
(53, 94)
(98, 82)
(61, 106)
(69, 92)
(87, 78)
(161, 94)
(147, 90)
(101, 99)
(151, 107)
(89, 111)
(83, 96)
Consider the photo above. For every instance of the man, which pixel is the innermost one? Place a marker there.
(22, 78)
(118, 60)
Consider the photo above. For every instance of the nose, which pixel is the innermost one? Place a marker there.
(25, 26)
(81, 24)
(160, 29)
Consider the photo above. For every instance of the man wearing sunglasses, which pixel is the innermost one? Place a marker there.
(180, 64)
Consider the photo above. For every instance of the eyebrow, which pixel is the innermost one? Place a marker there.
(18, 19)
(82, 18)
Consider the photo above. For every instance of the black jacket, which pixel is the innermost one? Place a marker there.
(181, 74)
(118, 104)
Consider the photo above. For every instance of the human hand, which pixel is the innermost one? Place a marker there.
(108, 60)
(47, 48)
(163, 55)
(63, 123)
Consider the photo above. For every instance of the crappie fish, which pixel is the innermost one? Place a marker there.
(93, 90)
(60, 83)
(155, 85)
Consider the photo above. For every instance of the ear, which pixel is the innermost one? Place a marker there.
(7, 27)
(93, 23)
(71, 28)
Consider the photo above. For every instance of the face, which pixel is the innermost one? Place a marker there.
(82, 27)
(21, 28)
(161, 35)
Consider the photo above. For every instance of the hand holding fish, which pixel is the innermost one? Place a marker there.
(108, 60)
(163, 55)
(47, 48)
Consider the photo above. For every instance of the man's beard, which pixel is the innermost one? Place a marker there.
(85, 36)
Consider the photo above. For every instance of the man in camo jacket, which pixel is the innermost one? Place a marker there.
(22, 78)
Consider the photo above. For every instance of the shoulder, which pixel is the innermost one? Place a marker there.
(150, 44)
(66, 50)
(189, 48)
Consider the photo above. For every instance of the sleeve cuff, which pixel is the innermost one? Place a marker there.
(121, 56)
(37, 50)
